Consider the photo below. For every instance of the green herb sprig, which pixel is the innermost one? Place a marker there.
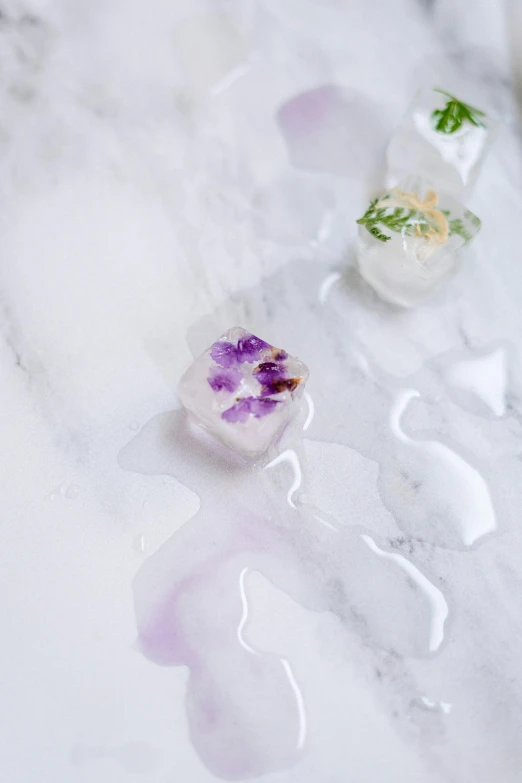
(458, 227)
(399, 220)
(455, 114)
(405, 221)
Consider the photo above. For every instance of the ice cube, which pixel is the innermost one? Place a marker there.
(443, 139)
(243, 391)
(408, 241)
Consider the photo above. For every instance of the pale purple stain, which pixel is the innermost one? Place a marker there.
(160, 640)
(309, 111)
(233, 691)
(332, 129)
(243, 716)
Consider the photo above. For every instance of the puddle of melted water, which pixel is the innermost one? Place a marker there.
(435, 489)
(439, 607)
(245, 709)
(192, 606)
(233, 690)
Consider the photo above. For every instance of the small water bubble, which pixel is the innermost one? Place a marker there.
(424, 703)
(71, 491)
(140, 543)
(55, 493)
(327, 285)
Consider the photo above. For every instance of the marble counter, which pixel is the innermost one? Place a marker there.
(349, 610)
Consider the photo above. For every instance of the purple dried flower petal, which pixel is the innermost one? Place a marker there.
(278, 386)
(260, 407)
(227, 378)
(250, 348)
(224, 353)
(246, 406)
(238, 412)
(279, 355)
(268, 372)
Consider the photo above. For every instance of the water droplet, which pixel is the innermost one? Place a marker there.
(484, 377)
(311, 410)
(327, 285)
(72, 491)
(232, 76)
(55, 493)
(425, 703)
(69, 491)
(139, 543)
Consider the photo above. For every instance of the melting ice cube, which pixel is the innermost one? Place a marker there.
(243, 391)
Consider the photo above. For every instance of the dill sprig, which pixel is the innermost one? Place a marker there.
(454, 114)
(456, 226)
(405, 221)
(400, 220)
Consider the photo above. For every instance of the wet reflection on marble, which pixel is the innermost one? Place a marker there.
(438, 604)
(191, 596)
(436, 489)
(483, 377)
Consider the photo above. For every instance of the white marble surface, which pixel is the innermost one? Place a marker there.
(155, 187)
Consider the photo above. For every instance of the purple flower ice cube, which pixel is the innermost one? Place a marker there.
(243, 390)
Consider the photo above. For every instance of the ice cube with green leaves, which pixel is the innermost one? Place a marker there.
(410, 238)
(444, 137)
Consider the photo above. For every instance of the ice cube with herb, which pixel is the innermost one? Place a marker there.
(409, 240)
(444, 138)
